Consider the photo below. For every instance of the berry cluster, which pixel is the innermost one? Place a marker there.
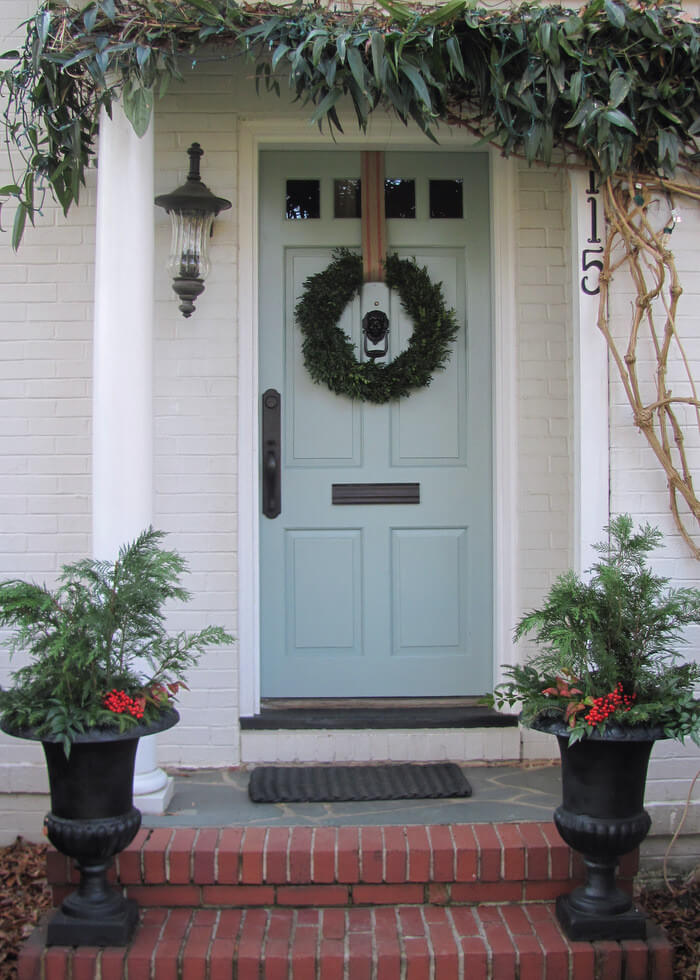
(120, 703)
(608, 704)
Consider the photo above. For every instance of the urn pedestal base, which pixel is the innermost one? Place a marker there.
(96, 914)
(591, 926)
(112, 925)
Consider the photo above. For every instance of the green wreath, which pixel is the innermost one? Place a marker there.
(329, 354)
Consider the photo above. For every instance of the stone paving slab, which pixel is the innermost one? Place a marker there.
(219, 798)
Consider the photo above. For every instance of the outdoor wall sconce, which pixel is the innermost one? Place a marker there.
(192, 209)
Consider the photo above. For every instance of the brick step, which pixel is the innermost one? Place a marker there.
(459, 864)
(491, 942)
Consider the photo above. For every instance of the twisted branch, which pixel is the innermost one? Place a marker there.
(637, 242)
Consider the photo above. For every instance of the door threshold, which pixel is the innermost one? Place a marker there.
(374, 713)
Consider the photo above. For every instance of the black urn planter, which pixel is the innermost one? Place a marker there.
(92, 818)
(602, 816)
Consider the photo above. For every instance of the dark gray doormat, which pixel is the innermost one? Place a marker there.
(320, 784)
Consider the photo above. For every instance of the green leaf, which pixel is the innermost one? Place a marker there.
(575, 86)
(377, 47)
(9, 189)
(416, 80)
(615, 13)
(357, 68)
(206, 7)
(319, 44)
(279, 53)
(447, 12)
(399, 13)
(138, 105)
(43, 25)
(586, 109)
(89, 18)
(620, 86)
(18, 224)
(618, 118)
(325, 106)
(672, 117)
(455, 54)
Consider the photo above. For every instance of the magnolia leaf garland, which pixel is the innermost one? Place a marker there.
(329, 354)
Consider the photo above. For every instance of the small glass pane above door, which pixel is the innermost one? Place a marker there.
(400, 198)
(303, 199)
(347, 198)
(446, 199)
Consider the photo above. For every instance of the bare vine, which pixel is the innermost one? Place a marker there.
(637, 242)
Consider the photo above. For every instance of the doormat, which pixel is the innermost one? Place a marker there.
(333, 784)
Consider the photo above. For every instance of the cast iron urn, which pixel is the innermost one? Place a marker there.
(602, 816)
(92, 818)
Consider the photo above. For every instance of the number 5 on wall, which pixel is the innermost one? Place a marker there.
(586, 265)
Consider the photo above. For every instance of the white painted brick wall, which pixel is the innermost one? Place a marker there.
(45, 372)
(195, 416)
(638, 486)
(544, 405)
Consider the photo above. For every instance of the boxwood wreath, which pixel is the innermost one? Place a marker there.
(612, 86)
(329, 354)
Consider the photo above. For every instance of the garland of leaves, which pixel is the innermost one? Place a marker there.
(613, 82)
(329, 354)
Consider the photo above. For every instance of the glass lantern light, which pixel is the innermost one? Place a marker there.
(192, 209)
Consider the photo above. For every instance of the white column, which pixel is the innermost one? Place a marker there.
(590, 371)
(122, 437)
(504, 210)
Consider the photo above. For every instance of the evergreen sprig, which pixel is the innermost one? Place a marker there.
(329, 354)
(623, 625)
(102, 628)
(614, 83)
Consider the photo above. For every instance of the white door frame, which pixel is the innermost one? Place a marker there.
(281, 133)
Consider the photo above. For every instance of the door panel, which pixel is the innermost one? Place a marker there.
(389, 599)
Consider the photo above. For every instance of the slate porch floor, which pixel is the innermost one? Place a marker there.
(219, 798)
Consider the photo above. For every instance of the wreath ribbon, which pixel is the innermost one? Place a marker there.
(373, 215)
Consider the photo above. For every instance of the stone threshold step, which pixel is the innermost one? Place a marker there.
(303, 866)
(354, 714)
(393, 943)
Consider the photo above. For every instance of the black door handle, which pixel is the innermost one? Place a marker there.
(271, 450)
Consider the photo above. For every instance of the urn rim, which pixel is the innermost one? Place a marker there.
(166, 719)
(612, 733)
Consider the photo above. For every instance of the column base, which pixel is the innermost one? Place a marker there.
(156, 802)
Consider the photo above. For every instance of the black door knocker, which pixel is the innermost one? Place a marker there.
(375, 327)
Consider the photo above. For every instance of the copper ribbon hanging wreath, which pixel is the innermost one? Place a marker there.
(329, 354)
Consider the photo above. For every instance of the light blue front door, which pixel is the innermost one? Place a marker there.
(378, 600)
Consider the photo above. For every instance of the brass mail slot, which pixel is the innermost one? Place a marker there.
(376, 493)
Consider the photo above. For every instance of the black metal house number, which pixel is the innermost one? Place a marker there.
(588, 263)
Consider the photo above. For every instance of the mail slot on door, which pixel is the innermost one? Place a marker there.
(376, 493)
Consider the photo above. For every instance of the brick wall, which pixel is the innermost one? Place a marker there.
(638, 486)
(45, 399)
(196, 392)
(544, 383)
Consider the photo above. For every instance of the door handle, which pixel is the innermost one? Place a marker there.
(271, 453)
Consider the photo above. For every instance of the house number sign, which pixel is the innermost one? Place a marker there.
(593, 246)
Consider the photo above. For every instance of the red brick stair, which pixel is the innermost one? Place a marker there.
(381, 903)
